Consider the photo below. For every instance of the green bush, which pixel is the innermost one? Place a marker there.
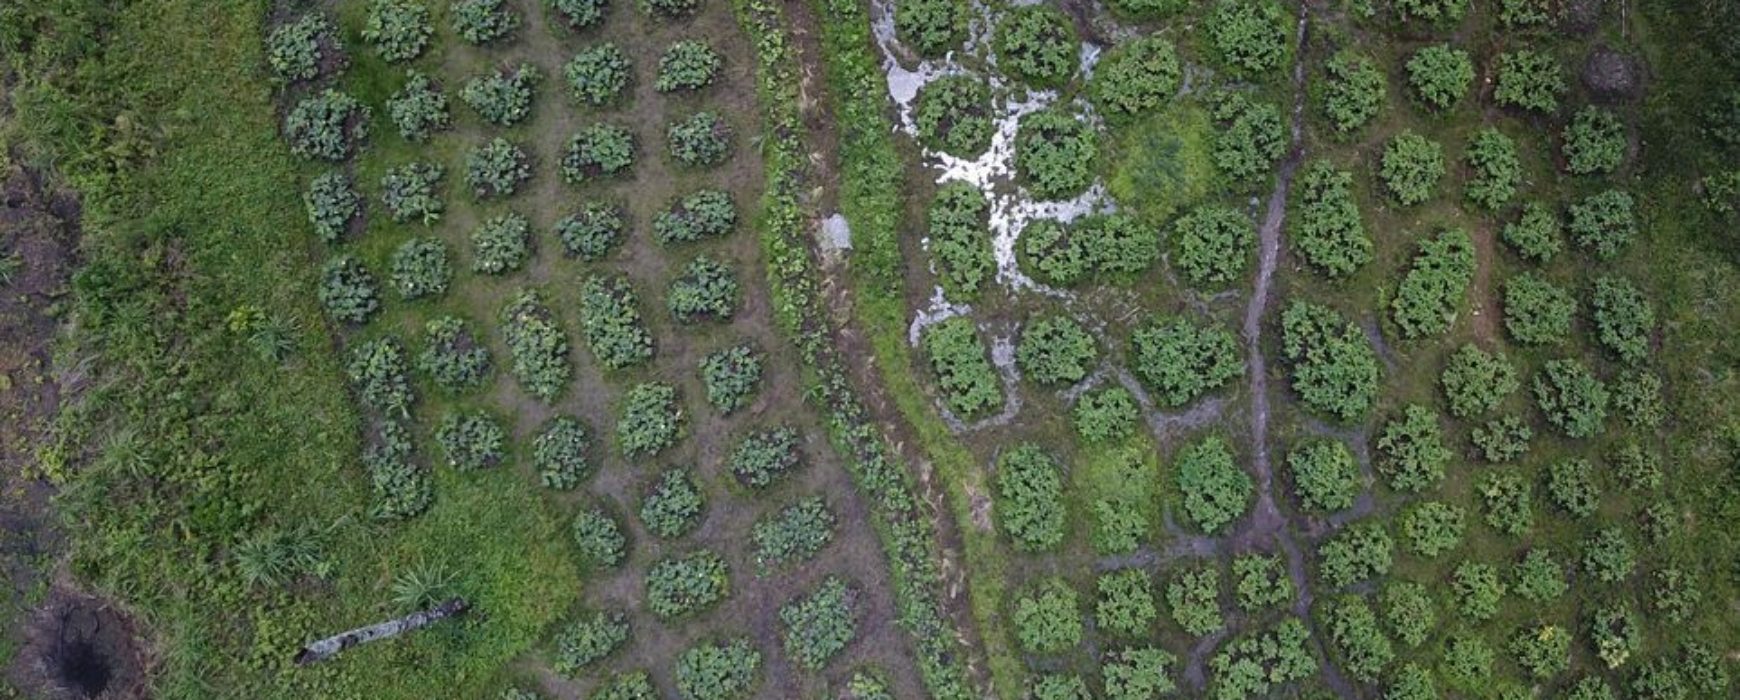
(348, 290)
(1145, 10)
(1431, 294)
(1251, 137)
(1476, 382)
(1637, 469)
(580, 14)
(1411, 450)
(598, 75)
(1119, 526)
(1056, 350)
(559, 453)
(1538, 578)
(1477, 590)
(1138, 673)
(1258, 662)
(953, 114)
(1591, 688)
(1054, 153)
(651, 420)
(1519, 14)
(1411, 682)
(380, 372)
(671, 507)
(589, 639)
(1542, 650)
(452, 356)
(419, 109)
(1261, 581)
(1508, 502)
(1409, 610)
(1029, 497)
(700, 214)
(1335, 370)
(1181, 360)
(718, 671)
(598, 151)
(333, 205)
(1355, 92)
(1614, 631)
(1326, 229)
(1536, 311)
(1105, 416)
(1433, 528)
(1438, 11)
(1529, 80)
(398, 29)
(599, 539)
(1212, 244)
(399, 488)
(1604, 223)
(1496, 171)
(1249, 37)
(537, 346)
(959, 240)
(501, 244)
(1535, 234)
(1360, 551)
(295, 50)
(420, 268)
(1048, 618)
(496, 168)
(504, 96)
(1216, 492)
(1571, 483)
(706, 290)
(410, 192)
(1363, 649)
(1052, 254)
(731, 376)
(684, 584)
(1468, 662)
(1624, 319)
(1037, 45)
(1193, 597)
(471, 440)
(765, 457)
(669, 9)
(1325, 476)
(794, 534)
(1573, 399)
(610, 321)
(1637, 397)
(1674, 594)
(969, 383)
(1412, 166)
(328, 125)
(932, 27)
(1440, 75)
(1609, 556)
(702, 139)
(1126, 603)
(689, 64)
(483, 21)
(1594, 142)
(1135, 78)
(592, 232)
(1058, 686)
(818, 626)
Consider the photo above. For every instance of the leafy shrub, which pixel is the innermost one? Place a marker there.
(794, 534)
(1591, 688)
(399, 488)
(1477, 590)
(1325, 476)
(580, 14)
(1518, 14)
(1256, 663)
(1126, 603)
(1440, 11)
(598, 74)
(399, 29)
(1433, 528)
(1604, 223)
(1431, 293)
(1048, 618)
(1248, 37)
(1212, 244)
(1674, 594)
(731, 376)
(1637, 469)
(1137, 673)
(419, 109)
(296, 49)
(1476, 382)
(1502, 439)
(1571, 483)
(1058, 686)
(1119, 526)
(1594, 142)
(706, 290)
(651, 420)
(593, 231)
(1637, 397)
(589, 639)
(1609, 556)
(420, 268)
(1409, 610)
(968, 382)
(1361, 644)
(687, 65)
(380, 372)
(1054, 153)
(1468, 661)
(1216, 491)
(537, 345)
(1497, 172)
(452, 356)
(599, 539)
(504, 96)
(1411, 682)
(559, 453)
(496, 168)
(1440, 75)
(1251, 139)
(1326, 229)
(1134, 78)
(1355, 91)
(672, 506)
(1335, 370)
(1181, 360)
(1542, 650)
(1615, 633)
(1624, 319)
(1360, 551)
(1573, 399)
(483, 21)
(1193, 597)
(1105, 416)
(1539, 579)
(699, 140)
(817, 627)
(1412, 166)
(348, 290)
(1412, 450)
(1056, 350)
(471, 440)
(1535, 234)
(409, 191)
(701, 214)
(718, 671)
(1508, 503)
(501, 244)
(1037, 45)
(610, 321)
(328, 125)
(1029, 506)
(1261, 581)
(1529, 80)
(685, 584)
(765, 457)
(598, 151)
(932, 27)
(953, 114)
(1536, 311)
(669, 9)
(333, 205)
(959, 241)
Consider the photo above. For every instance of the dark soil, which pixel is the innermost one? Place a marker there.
(76, 647)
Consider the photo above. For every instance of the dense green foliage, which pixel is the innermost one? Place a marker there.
(502, 97)
(1261, 581)
(1252, 137)
(501, 244)
(1037, 44)
(592, 231)
(1216, 491)
(1326, 229)
(686, 584)
(794, 534)
(1335, 370)
(1411, 168)
(559, 453)
(348, 290)
(399, 29)
(1432, 293)
(410, 192)
(671, 506)
(1248, 38)
(1411, 449)
(1054, 153)
(1324, 475)
(452, 356)
(704, 290)
(953, 113)
(1573, 399)
(1125, 605)
(1355, 91)
(537, 346)
(1181, 360)
(1604, 223)
(728, 670)
(1359, 552)
(1361, 646)
(598, 74)
(601, 150)
(1440, 75)
(699, 140)
(969, 384)
(1536, 311)
(1193, 599)
(611, 323)
(1529, 80)
(731, 376)
(1135, 78)
(697, 215)
(483, 21)
(818, 626)
(329, 125)
(1257, 662)
(1212, 244)
(959, 239)
(419, 108)
(1496, 170)
(1624, 319)
(1029, 497)
(689, 64)
(295, 50)
(650, 419)
(764, 457)
(1056, 350)
(1048, 617)
(1594, 142)
(1106, 415)
(1535, 234)
(589, 639)
(933, 27)
(1476, 382)
(420, 268)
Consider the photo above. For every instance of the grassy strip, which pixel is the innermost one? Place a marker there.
(907, 536)
(870, 198)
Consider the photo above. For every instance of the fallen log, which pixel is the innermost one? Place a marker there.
(330, 646)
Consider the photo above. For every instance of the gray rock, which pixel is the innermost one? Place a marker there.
(1612, 76)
